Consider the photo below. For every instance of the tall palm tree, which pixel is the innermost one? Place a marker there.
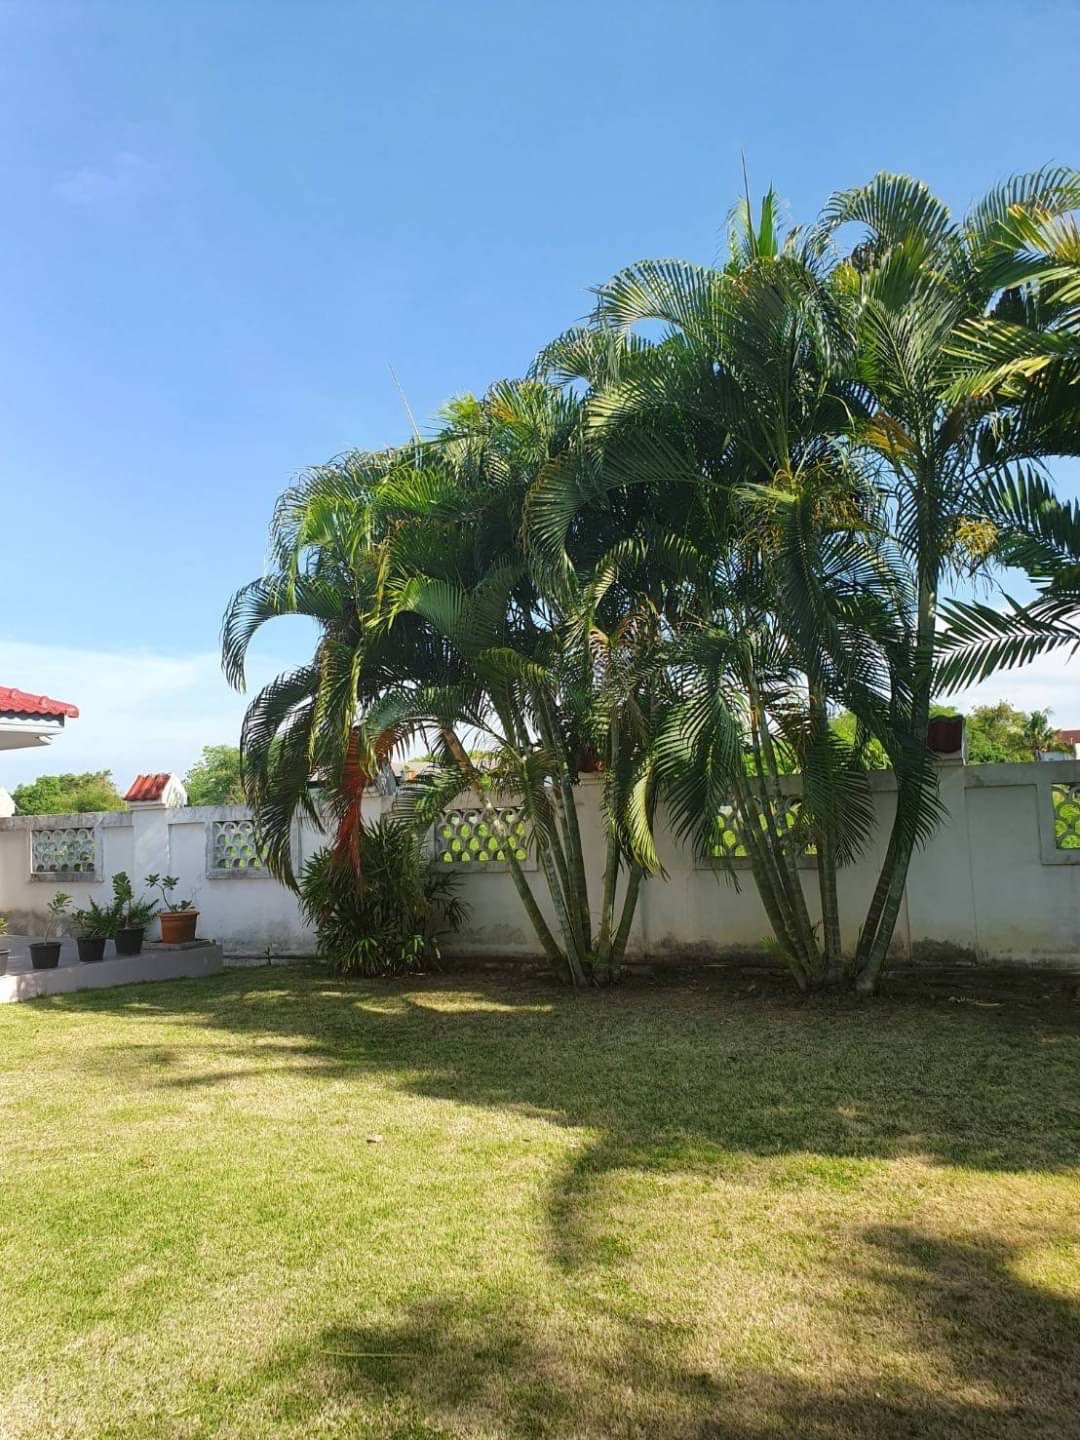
(1040, 735)
(723, 437)
(672, 576)
(916, 280)
(1025, 350)
(1034, 531)
(332, 536)
(797, 373)
(432, 623)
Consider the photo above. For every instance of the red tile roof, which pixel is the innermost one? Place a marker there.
(18, 702)
(147, 787)
(1069, 737)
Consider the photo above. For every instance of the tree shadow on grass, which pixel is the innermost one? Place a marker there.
(668, 1078)
(995, 1356)
(675, 1081)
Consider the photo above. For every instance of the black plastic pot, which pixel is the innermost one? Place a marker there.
(3, 961)
(129, 940)
(91, 951)
(45, 954)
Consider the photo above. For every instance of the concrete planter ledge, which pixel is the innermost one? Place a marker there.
(157, 962)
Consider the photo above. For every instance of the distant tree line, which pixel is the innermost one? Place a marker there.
(214, 779)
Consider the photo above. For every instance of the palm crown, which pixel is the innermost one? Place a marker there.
(665, 556)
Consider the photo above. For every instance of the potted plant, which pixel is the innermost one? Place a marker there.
(132, 916)
(93, 926)
(178, 917)
(45, 953)
(3, 947)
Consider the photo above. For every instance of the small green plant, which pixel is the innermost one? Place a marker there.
(96, 922)
(166, 884)
(3, 926)
(384, 916)
(56, 909)
(132, 914)
(139, 914)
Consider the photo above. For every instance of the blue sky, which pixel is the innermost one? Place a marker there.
(225, 223)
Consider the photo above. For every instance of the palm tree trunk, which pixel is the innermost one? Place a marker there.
(825, 844)
(626, 920)
(876, 945)
(870, 976)
(830, 904)
(770, 886)
(571, 941)
(552, 860)
(759, 812)
(765, 761)
(877, 900)
(607, 901)
(548, 943)
(577, 878)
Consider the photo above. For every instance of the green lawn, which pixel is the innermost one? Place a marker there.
(678, 1211)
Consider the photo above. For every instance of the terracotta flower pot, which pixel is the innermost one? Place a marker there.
(129, 940)
(91, 950)
(45, 954)
(178, 926)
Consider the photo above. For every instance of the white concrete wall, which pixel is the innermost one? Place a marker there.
(991, 883)
(249, 913)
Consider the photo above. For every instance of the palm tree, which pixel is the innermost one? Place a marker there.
(331, 537)
(720, 442)
(1040, 735)
(432, 623)
(671, 577)
(805, 379)
(1034, 531)
(921, 280)
(1025, 350)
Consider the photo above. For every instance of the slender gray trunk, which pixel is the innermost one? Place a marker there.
(548, 943)
(626, 920)
(870, 976)
(574, 957)
(577, 879)
(771, 886)
(888, 896)
(830, 904)
(552, 860)
(877, 900)
(802, 927)
(607, 900)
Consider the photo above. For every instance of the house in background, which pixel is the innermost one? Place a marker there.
(1071, 738)
(162, 790)
(27, 720)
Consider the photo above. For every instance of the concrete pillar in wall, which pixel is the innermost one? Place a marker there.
(150, 798)
(940, 894)
(150, 848)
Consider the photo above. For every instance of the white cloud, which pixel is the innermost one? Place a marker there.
(1050, 683)
(137, 711)
(126, 174)
(141, 711)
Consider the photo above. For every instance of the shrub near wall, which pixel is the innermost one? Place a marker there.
(383, 914)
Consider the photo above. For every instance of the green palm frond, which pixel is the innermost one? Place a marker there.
(687, 297)
(897, 214)
(980, 641)
(267, 599)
